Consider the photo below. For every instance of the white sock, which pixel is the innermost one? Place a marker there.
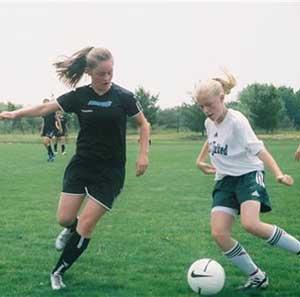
(240, 258)
(284, 240)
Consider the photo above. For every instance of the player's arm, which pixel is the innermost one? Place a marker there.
(42, 127)
(144, 130)
(269, 161)
(297, 153)
(58, 124)
(35, 111)
(201, 163)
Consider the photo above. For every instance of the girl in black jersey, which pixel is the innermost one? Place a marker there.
(97, 169)
(48, 131)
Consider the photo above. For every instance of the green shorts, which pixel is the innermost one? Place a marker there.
(100, 181)
(232, 191)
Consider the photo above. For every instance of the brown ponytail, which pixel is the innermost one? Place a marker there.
(71, 69)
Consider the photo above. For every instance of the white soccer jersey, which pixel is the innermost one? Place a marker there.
(233, 145)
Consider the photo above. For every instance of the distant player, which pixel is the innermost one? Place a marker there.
(61, 132)
(237, 160)
(48, 131)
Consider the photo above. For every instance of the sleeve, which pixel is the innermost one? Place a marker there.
(67, 102)
(132, 106)
(248, 138)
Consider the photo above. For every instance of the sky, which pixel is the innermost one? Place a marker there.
(164, 46)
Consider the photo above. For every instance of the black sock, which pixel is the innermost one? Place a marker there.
(74, 248)
(63, 148)
(55, 147)
(49, 149)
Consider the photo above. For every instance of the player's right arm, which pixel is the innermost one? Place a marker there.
(206, 168)
(35, 111)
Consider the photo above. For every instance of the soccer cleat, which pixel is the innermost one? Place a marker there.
(51, 158)
(255, 283)
(63, 238)
(56, 281)
(63, 153)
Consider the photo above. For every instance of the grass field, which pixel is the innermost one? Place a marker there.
(158, 226)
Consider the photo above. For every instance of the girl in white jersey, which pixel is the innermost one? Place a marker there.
(237, 160)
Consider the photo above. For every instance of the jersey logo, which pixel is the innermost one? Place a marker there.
(218, 149)
(216, 134)
(100, 103)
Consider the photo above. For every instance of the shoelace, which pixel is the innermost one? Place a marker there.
(254, 282)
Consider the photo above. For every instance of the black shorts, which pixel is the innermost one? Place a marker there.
(99, 181)
(48, 133)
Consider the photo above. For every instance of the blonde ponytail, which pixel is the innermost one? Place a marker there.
(215, 86)
(228, 83)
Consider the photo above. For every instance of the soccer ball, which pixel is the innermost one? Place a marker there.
(206, 277)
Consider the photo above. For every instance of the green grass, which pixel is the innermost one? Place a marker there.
(159, 225)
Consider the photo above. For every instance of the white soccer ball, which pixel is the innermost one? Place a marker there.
(206, 277)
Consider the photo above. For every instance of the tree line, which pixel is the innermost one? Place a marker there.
(266, 106)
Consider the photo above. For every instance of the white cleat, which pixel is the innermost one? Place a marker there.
(62, 239)
(56, 281)
(256, 283)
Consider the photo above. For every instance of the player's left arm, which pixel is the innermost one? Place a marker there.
(269, 161)
(58, 123)
(144, 131)
(297, 153)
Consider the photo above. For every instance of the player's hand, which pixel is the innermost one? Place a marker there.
(141, 165)
(285, 179)
(206, 168)
(297, 155)
(7, 115)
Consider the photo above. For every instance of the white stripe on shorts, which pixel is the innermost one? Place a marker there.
(74, 194)
(228, 210)
(93, 198)
(260, 178)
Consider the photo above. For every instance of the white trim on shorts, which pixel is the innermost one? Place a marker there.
(229, 210)
(93, 198)
(74, 194)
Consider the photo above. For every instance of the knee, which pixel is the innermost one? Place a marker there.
(65, 220)
(46, 141)
(250, 225)
(86, 226)
(220, 236)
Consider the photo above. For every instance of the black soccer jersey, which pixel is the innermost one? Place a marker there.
(49, 122)
(102, 120)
